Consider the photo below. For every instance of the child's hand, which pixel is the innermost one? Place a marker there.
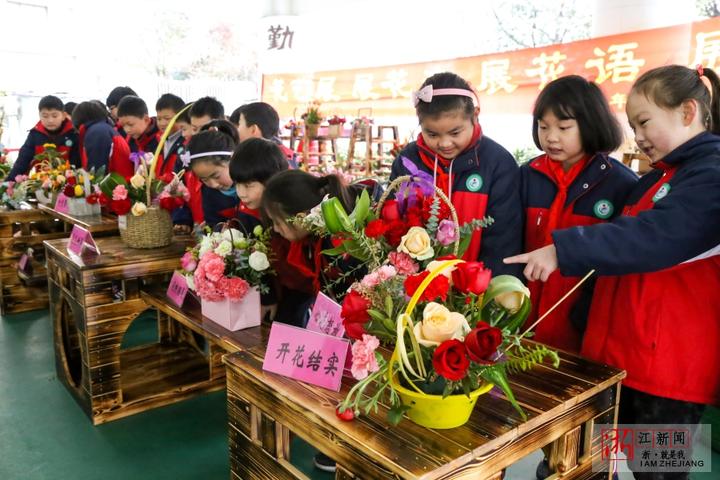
(268, 310)
(182, 229)
(540, 263)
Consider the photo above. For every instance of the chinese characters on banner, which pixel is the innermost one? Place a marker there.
(507, 82)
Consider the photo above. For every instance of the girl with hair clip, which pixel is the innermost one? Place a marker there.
(659, 262)
(478, 175)
(208, 153)
(573, 183)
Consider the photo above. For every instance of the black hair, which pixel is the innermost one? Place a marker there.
(671, 85)
(294, 191)
(90, 111)
(69, 107)
(184, 117)
(117, 94)
(574, 97)
(211, 141)
(235, 116)
(207, 106)
(446, 103)
(132, 106)
(50, 102)
(261, 114)
(223, 126)
(169, 101)
(256, 160)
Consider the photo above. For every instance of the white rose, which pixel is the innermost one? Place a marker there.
(137, 181)
(60, 179)
(206, 244)
(224, 248)
(139, 209)
(232, 235)
(416, 243)
(440, 324)
(436, 263)
(258, 261)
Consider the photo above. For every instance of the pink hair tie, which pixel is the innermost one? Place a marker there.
(700, 69)
(427, 93)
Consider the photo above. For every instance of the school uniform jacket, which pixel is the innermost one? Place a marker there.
(148, 140)
(596, 195)
(101, 145)
(170, 162)
(655, 312)
(484, 180)
(217, 207)
(65, 139)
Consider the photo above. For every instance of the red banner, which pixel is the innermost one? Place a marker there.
(507, 82)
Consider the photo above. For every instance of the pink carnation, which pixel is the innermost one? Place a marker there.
(370, 280)
(213, 265)
(446, 233)
(119, 192)
(403, 263)
(363, 356)
(188, 262)
(386, 272)
(206, 289)
(234, 288)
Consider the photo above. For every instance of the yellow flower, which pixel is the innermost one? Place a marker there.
(49, 145)
(436, 263)
(416, 243)
(440, 324)
(511, 301)
(139, 209)
(137, 181)
(79, 192)
(60, 179)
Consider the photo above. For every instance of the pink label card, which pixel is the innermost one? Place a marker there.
(177, 290)
(305, 355)
(325, 317)
(80, 239)
(61, 205)
(23, 262)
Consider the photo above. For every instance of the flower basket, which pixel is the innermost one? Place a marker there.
(234, 315)
(311, 129)
(79, 207)
(152, 230)
(334, 130)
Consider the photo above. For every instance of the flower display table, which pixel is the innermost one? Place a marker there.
(20, 230)
(98, 225)
(93, 301)
(562, 406)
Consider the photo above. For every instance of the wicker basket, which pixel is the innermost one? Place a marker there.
(152, 230)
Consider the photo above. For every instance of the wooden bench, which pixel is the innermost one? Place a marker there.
(263, 409)
(93, 301)
(99, 225)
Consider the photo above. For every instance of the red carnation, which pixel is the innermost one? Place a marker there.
(471, 277)
(92, 199)
(354, 314)
(482, 342)
(438, 287)
(375, 228)
(450, 360)
(395, 231)
(103, 199)
(120, 207)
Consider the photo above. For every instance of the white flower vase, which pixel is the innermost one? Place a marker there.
(234, 315)
(78, 207)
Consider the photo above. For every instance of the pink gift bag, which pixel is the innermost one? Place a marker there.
(235, 315)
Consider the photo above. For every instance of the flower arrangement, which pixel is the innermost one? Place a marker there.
(228, 264)
(312, 114)
(336, 120)
(143, 190)
(4, 166)
(451, 328)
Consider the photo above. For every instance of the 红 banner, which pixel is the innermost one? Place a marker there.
(507, 82)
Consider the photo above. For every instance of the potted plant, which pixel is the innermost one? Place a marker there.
(336, 126)
(228, 270)
(312, 118)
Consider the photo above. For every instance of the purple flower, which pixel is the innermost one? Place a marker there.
(446, 233)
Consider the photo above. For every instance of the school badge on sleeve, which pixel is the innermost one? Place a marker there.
(662, 192)
(603, 209)
(474, 182)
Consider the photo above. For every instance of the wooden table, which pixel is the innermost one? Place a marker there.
(98, 225)
(20, 230)
(93, 301)
(562, 407)
(263, 408)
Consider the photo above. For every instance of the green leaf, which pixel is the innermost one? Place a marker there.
(333, 252)
(389, 306)
(112, 180)
(395, 414)
(361, 210)
(376, 315)
(498, 377)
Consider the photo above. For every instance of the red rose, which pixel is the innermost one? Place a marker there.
(167, 203)
(482, 342)
(354, 314)
(450, 360)
(92, 199)
(471, 277)
(438, 287)
(390, 211)
(395, 231)
(69, 191)
(375, 228)
(71, 181)
(120, 207)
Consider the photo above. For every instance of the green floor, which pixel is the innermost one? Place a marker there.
(45, 435)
